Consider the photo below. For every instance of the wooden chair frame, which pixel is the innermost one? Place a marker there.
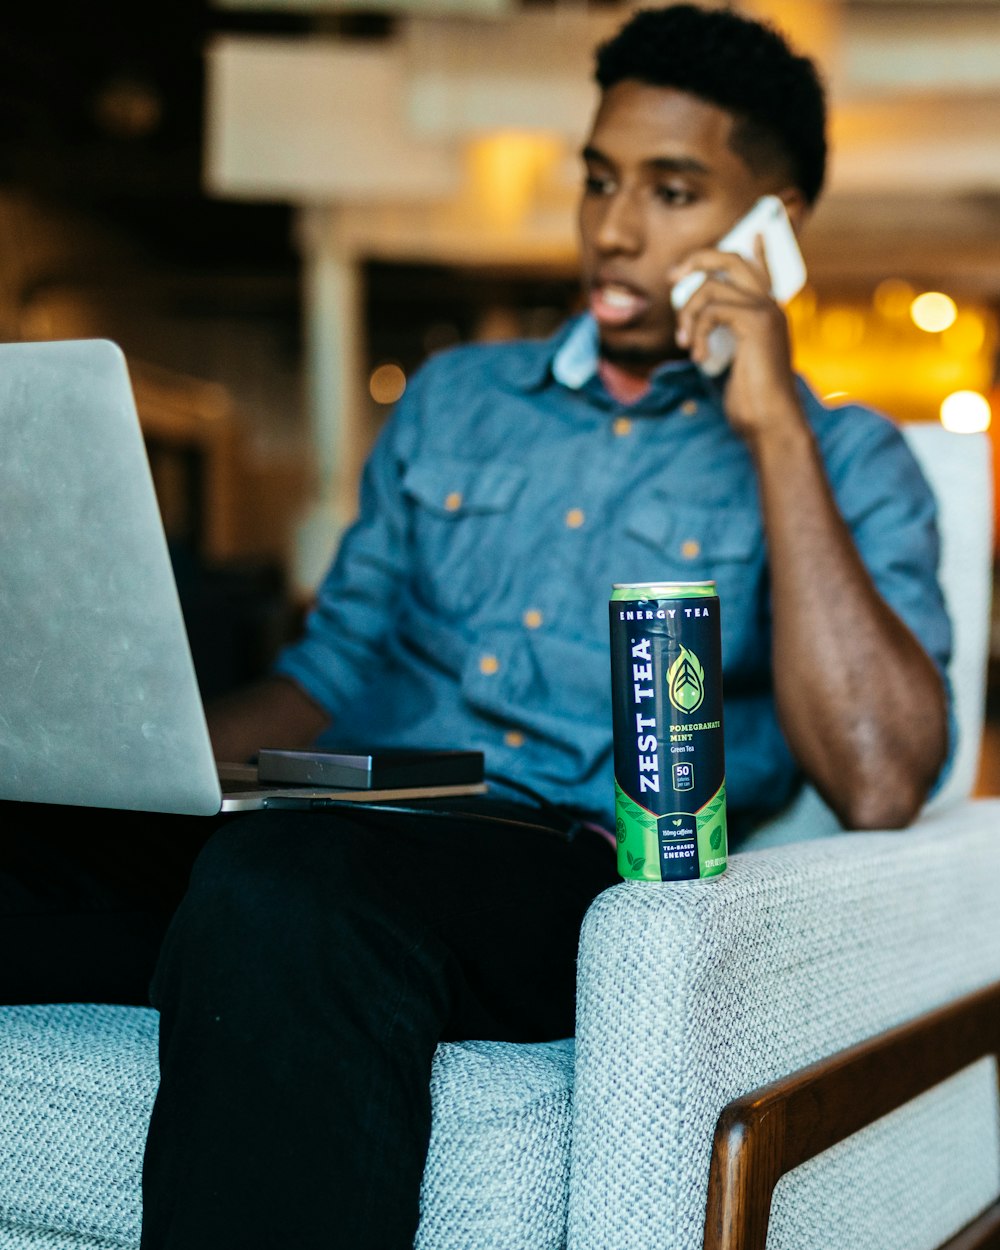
(772, 1130)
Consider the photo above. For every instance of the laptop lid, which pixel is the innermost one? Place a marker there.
(99, 703)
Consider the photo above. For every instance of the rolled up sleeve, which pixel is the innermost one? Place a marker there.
(354, 610)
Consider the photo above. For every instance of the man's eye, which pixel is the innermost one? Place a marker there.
(676, 197)
(597, 184)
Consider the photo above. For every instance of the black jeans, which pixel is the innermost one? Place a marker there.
(313, 966)
(85, 898)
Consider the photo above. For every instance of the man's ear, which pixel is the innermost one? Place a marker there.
(795, 206)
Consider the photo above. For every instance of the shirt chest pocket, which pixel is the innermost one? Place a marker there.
(461, 525)
(680, 541)
(675, 541)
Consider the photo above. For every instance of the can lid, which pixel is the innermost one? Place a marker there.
(645, 591)
(647, 585)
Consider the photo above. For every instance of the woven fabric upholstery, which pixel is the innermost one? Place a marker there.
(497, 1176)
(19, 1238)
(77, 1084)
(692, 995)
(76, 1088)
(951, 1135)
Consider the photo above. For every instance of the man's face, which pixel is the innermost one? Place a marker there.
(661, 182)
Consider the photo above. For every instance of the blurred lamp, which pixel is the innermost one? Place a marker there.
(893, 298)
(387, 383)
(933, 311)
(966, 412)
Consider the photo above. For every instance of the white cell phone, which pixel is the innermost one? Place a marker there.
(784, 262)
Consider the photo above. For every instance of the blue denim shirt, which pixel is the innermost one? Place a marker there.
(468, 604)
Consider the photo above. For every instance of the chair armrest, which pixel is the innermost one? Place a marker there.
(693, 995)
(766, 1134)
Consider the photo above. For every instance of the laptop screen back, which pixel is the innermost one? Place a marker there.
(99, 704)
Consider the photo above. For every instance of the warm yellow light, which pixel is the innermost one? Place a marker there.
(967, 335)
(507, 167)
(387, 383)
(933, 311)
(803, 307)
(835, 397)
(841, 329)
(966, 412)
(893, 298)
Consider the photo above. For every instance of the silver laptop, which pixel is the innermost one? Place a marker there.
(99, 702)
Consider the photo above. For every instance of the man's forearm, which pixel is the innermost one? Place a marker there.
(274, 712)
(861, 703)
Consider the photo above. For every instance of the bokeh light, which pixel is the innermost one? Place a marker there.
(965, 337)
(933, 311)
(966, 412)
(387, 383)
(841, 328)
(893, 298)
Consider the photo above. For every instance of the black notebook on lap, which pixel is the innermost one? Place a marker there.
(99, 702)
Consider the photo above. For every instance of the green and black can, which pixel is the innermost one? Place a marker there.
(666, 689)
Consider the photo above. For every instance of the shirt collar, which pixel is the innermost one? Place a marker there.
(575, 360)
(575, 355)
(570, 358)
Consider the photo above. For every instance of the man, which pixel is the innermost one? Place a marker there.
(317, 960)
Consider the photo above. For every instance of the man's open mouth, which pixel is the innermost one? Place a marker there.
(616, 304)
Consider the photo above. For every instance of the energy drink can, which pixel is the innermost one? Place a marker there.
(666, 690)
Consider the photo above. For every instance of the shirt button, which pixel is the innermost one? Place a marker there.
(453, 501)
(690, 548)
(532, 618)
(689, 407)
(622, 426)
(513, 739)
(489, 664)
(575, 518)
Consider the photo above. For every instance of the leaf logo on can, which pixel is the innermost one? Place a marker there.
(686, 682)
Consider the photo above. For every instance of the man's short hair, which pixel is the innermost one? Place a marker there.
(743, 66)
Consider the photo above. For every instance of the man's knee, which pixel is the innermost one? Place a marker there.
(278, 896)
(264, 863)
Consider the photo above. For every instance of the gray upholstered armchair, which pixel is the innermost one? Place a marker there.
(690, 999)
(827, 951)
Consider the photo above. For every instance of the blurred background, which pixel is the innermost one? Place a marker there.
(278, 208)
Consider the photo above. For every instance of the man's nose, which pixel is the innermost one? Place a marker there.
(622, 228)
